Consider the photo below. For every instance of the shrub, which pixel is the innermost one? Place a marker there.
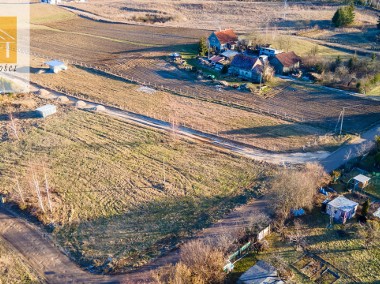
(203, 49)
(344, 16)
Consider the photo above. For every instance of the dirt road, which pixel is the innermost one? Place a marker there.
(55, 267)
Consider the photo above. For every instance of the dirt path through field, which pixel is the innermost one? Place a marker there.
(56, 267)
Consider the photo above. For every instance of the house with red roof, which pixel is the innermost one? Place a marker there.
(222, 40)
(285, 62)
(247, 67)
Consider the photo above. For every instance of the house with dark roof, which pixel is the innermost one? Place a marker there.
(261, 273)
(285, 62)
(222, 40)
(246, 67)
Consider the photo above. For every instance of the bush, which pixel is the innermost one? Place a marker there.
(203, 49)
(200, 263)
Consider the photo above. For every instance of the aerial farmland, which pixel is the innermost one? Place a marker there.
(155, 163)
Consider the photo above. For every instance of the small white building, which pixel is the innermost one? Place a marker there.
(46, 110)
(268, 51)
(341, 209)
(56, 66)
(360, 182)
(52, 2)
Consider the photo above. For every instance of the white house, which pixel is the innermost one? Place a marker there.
(56, 66)
(341, 209)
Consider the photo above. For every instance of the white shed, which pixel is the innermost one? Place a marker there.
(46, 110)
(56, 66)
(341, 209)
(360, 181)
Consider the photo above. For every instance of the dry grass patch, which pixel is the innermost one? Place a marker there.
(122, 194)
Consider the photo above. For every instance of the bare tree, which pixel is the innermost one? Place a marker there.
(38, 191)
(293, 189)
(200, 263)
(297, 237)
(20, 191)
(13, 126)
(47, 191)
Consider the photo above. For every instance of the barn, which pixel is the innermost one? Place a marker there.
(247, 67)
(46, 110)
(222, 40)
(285, 62)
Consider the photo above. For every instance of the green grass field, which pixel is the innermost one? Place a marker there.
(121, 191)
(12, 268)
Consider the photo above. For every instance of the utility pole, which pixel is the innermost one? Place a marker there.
(341, 123)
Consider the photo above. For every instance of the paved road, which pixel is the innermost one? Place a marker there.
(352, 150)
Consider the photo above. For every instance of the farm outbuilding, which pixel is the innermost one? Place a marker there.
(285, 62)
(360, 182)
(341, 209)
(222, 40)
(46, 110)
(262, 272)
(56, 66)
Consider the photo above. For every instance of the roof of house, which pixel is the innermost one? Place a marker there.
(343, 203)
(54, 63)
(244, 62)
(288, 59)
(362, 178)
(229, 53)
(261, 272)
(216, 58)
(226, 36)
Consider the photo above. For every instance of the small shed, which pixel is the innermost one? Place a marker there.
(360, 181)
(341, 209)
(46, 110)
(262, 272)
(56, 66)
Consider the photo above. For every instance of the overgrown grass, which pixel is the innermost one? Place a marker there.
(122, 191)
(12, 268)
